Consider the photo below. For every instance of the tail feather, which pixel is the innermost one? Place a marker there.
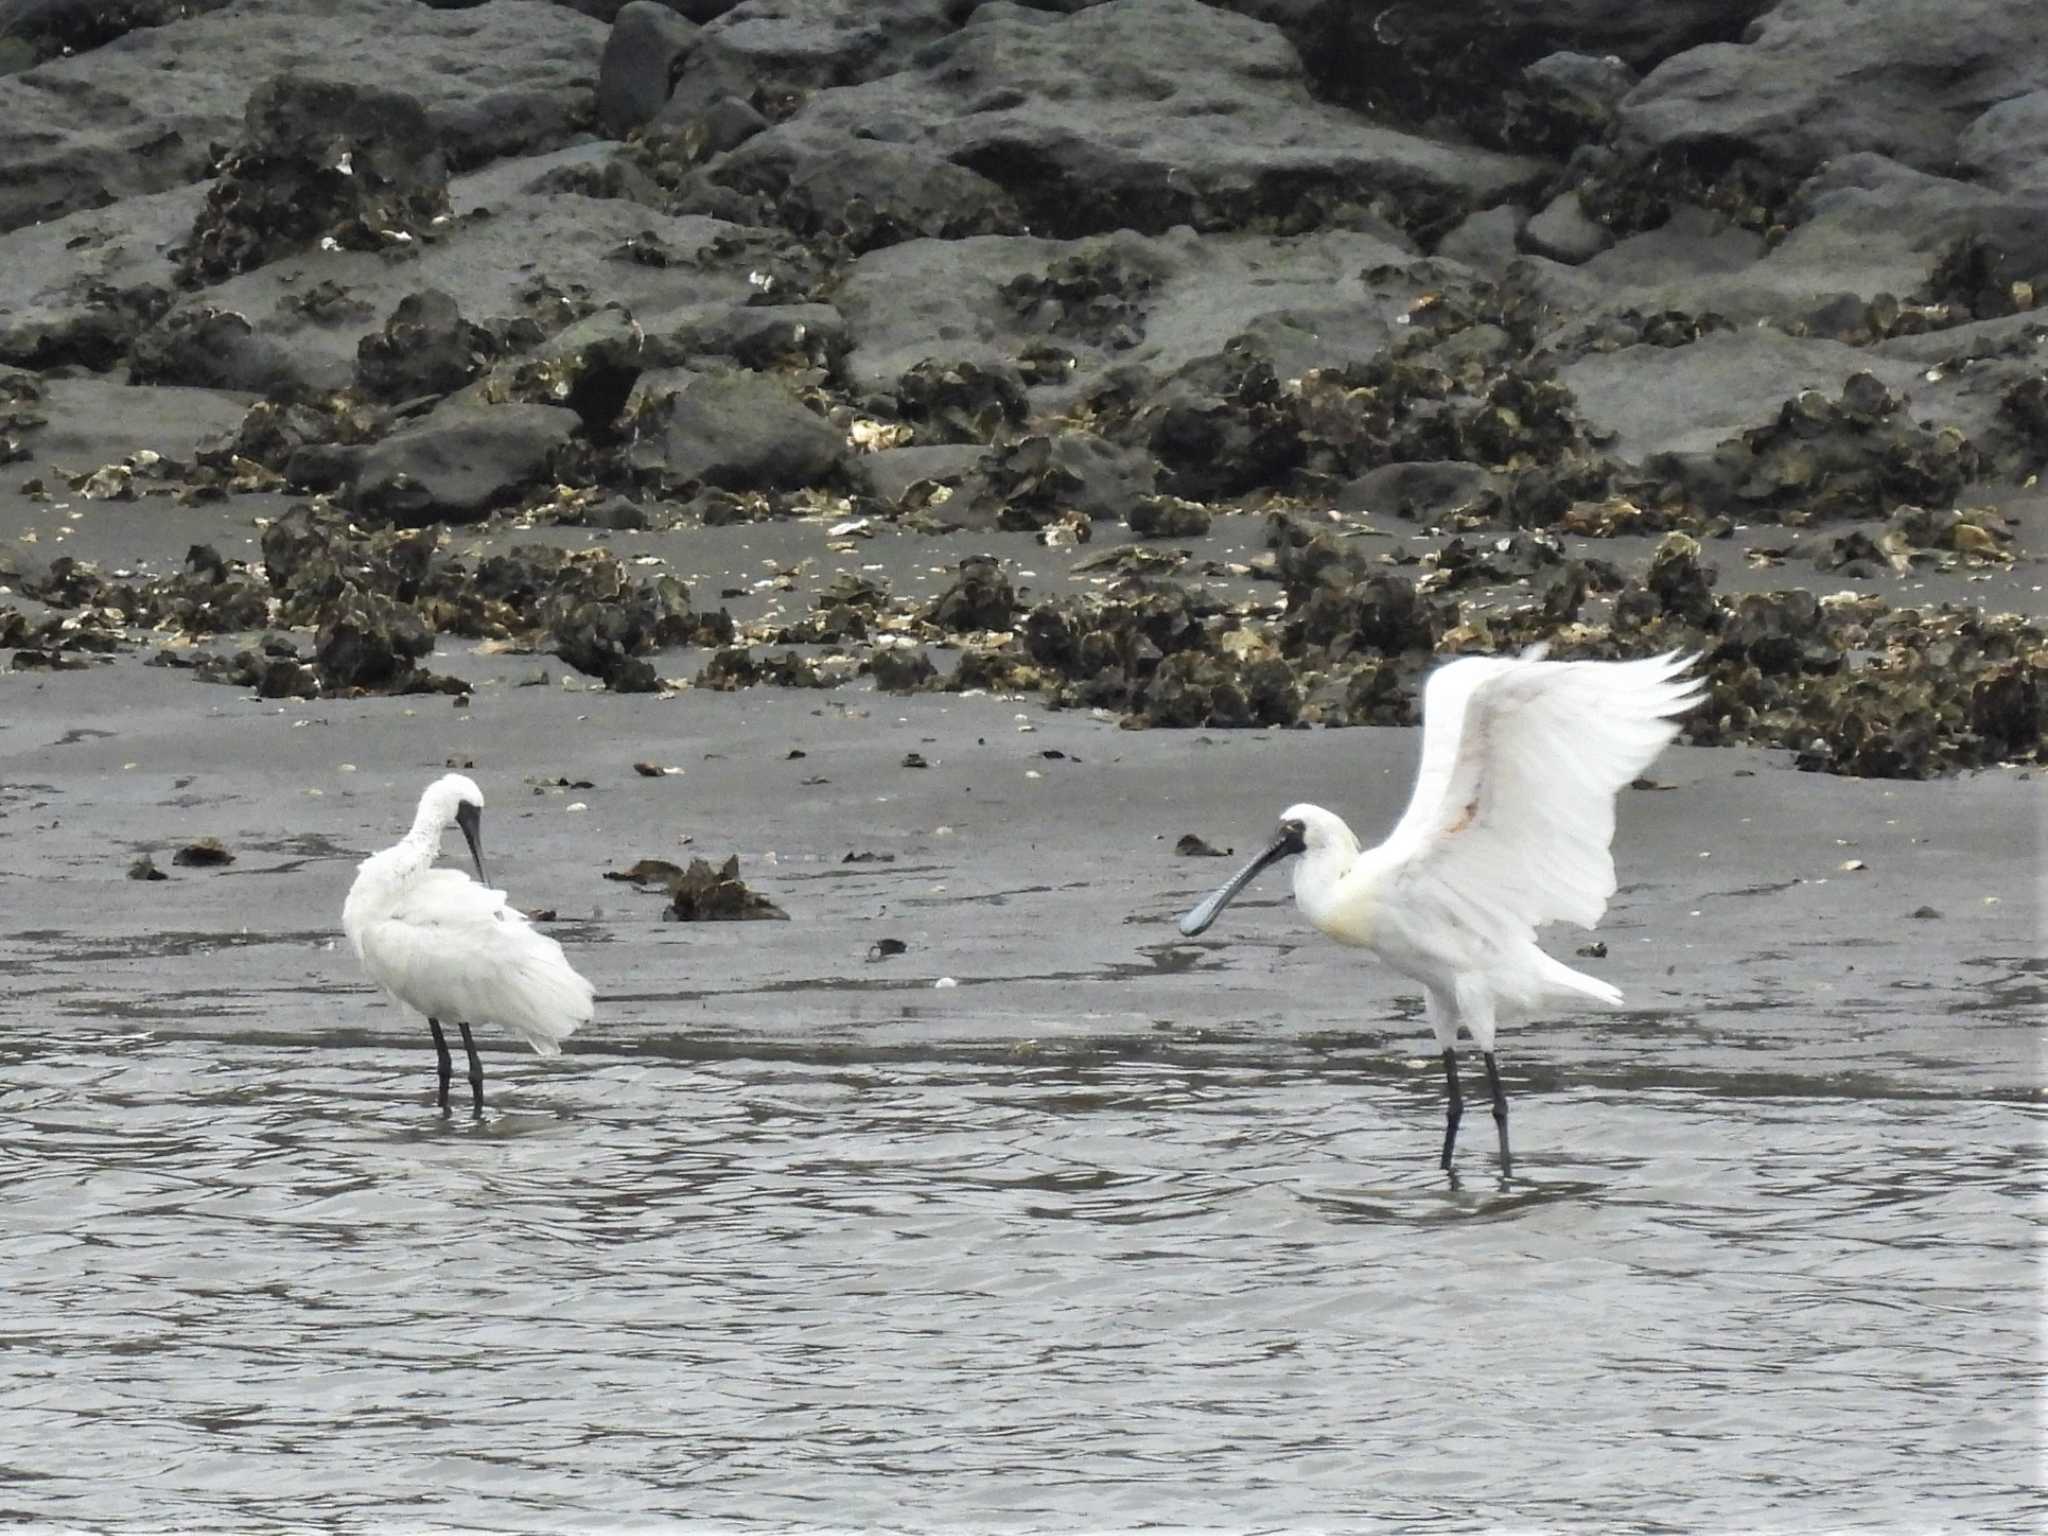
(541, 998)
(1560, 977)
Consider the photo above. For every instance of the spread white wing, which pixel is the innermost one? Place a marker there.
(1513, 808)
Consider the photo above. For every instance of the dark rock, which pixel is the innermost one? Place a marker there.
(425, 349)
(596, 617)
(618, 514)
(324, 468)
(1167, 517)
(145, 868)
(1114, 318)
(702, 894)
(900, 670)
(2007, 146)
(1682, 584)
(205, 853)
(863, 195)
(1777, 632)
(1049, 109)
(1563, 232)
(2009, 710)
(460, 462)
(1222, 431)
(736, 431)
(1857, 454)
(34, 30)
(1481, 63)
(373, 643)
(1519, 557)
(590, 366)
(1035, 481)
(736, 667)
(1827, 78)
(82, 286)
(979, 598)
(961, 402)
(781, 54)
(892, 474)
(765, 337)
(1488, 239)
(1192, 845)
(1736, 419)
(330, 160)
(641, 57)
(1420, 491)
(1190, 689)
(727, 123)
(212, 349)
(1589, 85)
(99, 126)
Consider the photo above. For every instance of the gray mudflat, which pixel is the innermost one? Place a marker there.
(1207, 365)
(790, 1230)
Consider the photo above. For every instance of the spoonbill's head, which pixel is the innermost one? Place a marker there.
(1302, 829)
(1318, 829)
(455, 798)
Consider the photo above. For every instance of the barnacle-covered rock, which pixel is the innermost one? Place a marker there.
(330, 160)
(980, 597)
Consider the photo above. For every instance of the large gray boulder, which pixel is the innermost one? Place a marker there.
(460, 463)
(736, 431)
(1816, 79)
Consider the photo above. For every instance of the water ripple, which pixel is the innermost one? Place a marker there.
(257, 1280)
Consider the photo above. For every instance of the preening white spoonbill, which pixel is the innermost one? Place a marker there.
(1508, 828)
(441, 942)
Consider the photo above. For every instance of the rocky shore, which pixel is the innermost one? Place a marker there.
(1205, 365)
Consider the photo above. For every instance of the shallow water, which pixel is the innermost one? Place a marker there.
(777, 1282)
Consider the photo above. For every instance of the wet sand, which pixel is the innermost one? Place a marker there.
(1117, 1230)
(1045, 885)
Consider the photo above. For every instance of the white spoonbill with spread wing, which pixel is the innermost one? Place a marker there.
(440, 942)
(1508, 828)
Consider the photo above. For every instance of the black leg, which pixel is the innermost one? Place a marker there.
(441, 1049)
(476, 1068)
(1500, 1114)
(1456, 1108)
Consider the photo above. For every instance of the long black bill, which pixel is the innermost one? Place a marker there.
(470, 819)
(1288, 842)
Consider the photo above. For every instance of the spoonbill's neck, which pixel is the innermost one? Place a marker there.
(1328, 893)
(419, 847)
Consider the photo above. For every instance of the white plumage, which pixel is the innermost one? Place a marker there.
(1508, 828)
(440, 942)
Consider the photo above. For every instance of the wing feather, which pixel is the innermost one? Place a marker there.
(1513, 810)
(454, 949)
